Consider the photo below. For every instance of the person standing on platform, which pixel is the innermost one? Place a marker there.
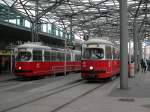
(0, 65)
(143, 65)
(0, 69)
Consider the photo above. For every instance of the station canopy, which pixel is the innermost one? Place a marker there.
(96, 18)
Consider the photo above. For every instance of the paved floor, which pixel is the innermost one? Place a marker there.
(6, 76)
(110, 98)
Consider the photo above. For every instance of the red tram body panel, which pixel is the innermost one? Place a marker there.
(34, 60)
(101, 69)
(100, 59)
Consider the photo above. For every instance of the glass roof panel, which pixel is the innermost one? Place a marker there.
(85, 15)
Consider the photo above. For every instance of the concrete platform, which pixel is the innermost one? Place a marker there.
(112, 99)
(6, 76)
(108, 98)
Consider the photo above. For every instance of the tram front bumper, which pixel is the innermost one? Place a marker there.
(92, 74)
(95, 74)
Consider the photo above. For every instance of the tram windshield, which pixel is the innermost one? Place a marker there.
(93, 53)
(23, 56)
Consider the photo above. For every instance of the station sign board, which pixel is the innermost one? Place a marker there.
(6, 52)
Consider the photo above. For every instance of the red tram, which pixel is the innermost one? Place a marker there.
(34, 60)
(100, 59)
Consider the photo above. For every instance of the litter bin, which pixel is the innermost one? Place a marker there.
(131, 70)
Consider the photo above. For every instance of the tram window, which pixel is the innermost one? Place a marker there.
(47, 56)
(37, 55)
(93, 53)
(61, 56)
(108, 52)
(53, 56)
(87, 54)
(58, 56)
(68, 57)
(115, 54)
(97, 53)
(77, 57)
(23, 56)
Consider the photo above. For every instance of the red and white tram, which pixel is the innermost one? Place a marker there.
(100, 59)
(35, 60)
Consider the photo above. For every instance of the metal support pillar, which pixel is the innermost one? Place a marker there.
(140, 46)
(65, 63)
(65, 47)
(53, 29)
(35, 27)
(71, 34)
(135, 41)
(144, 51)
(123, 44)
(11, 62)
(59, 32)
(47, 28)
(22, 21)
(139, 51)
(129, 60)
(64, 34)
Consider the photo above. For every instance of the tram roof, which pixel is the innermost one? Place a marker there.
(33, 45)
(40, 46)
(98, 41)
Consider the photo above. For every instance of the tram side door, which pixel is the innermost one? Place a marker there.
(116, 65)
(109, 57)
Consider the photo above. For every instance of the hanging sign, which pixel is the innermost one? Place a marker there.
(5, 52)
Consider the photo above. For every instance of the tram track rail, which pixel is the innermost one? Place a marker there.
(9, 84)
(75, 99)
(12, 82)
(52, 92)
(7, 80)
(55, 91)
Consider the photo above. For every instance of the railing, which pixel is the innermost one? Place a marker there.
(69, 68)
(9, 16)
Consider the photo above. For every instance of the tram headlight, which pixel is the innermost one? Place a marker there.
(19, 68)
(91, 67)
